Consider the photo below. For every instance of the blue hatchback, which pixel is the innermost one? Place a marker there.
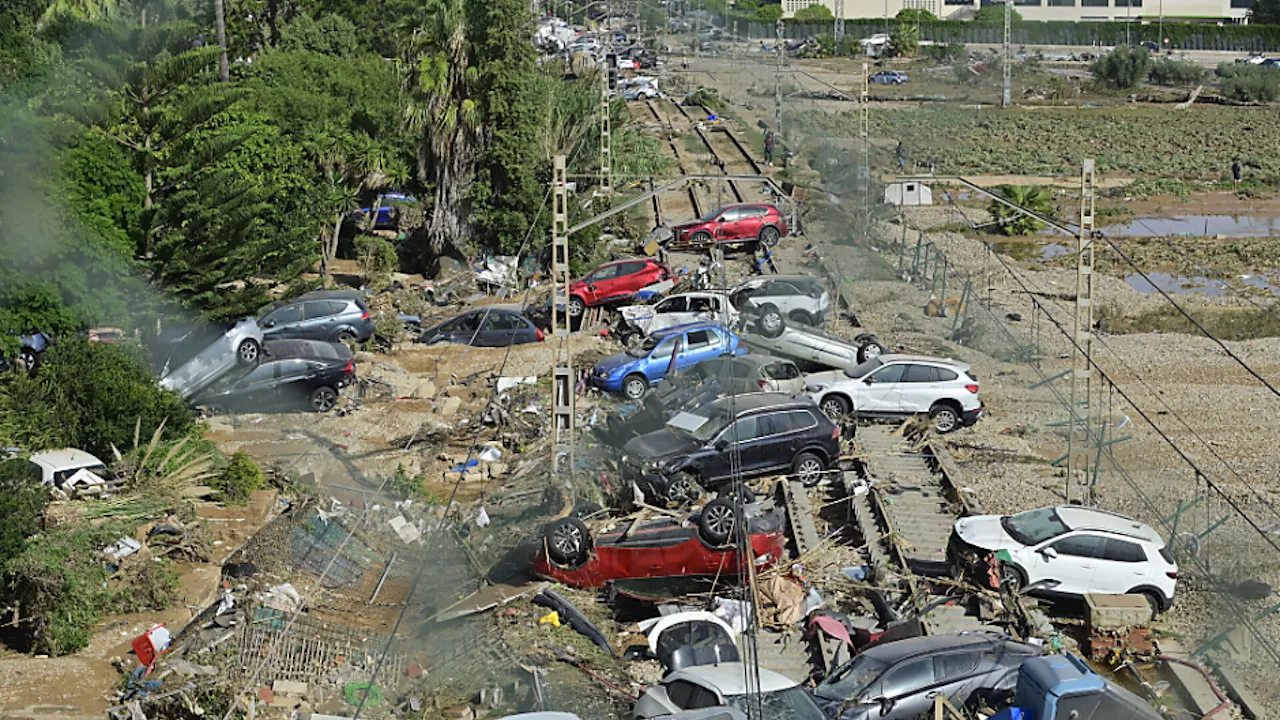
(633, 371)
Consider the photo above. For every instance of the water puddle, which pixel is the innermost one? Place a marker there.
(1198, 285)
(1031, 251)
(1198, 225)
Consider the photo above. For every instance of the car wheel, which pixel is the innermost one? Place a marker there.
(630, 339)
(835, 407)
(769, 236)
(771, 323)
(801, 317)
(731, 491)
(346, 337)
(870, 349)
(567, 541)
(945, 418)
(701, 238)
(634, 386)
(1011, 578)
(808, 469)
(576, 307)
(30, 358)
(323, 399)
(717, 521)
(1154, 602)
(248, 352)
(683, 488)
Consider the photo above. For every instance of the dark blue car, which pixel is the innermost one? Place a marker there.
(386, 211)
(632, 372)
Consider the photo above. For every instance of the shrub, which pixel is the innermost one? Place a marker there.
(915, 15)
(1123, 67)
(1173, 72)
(377, 258)
(241, 477)
(1031, 197)
(905, 40)
(947, 54)
(814, 13)
(1252, 83)
(22, 499)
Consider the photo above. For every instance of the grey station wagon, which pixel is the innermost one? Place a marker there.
(329, 315)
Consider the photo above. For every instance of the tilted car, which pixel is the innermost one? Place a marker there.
(898, 680)
(725, 685)
(328, 315)
(489, 327)
(291, 373)
(675, 310)
(773, 299)
(615, 282)
(633, 371)
(69, 466)
(739, 436)
(1071, 550)
(240, 346)
(898, 386)
(746, 223)
(813, 347)
(659, 548)
(703, 383)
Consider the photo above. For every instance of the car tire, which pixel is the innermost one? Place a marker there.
(946, 418)
(730, 491)
(717, 522)
(576, 307)
(30, 359)
(1012, 578)
(634, 386)
(701, 237)
(835, 407)
(248, 352)
(323, 399)
(801, 317)
(567, 541)
(808, 469)
(683, 488)
(1154, 602)
(870, 349)
(346, 337)
(630, 339)
(769, 236)
(771, 322)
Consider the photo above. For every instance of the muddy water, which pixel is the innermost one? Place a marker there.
(1198, 225)
(1198, 285)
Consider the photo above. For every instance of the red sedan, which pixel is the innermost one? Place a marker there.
(755, 222)
(662, 548)
(615, 281)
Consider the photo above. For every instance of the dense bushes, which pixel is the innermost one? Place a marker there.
(1174, 72)
(22, 499)
(1249, 83)
(1123, 68)
(88, 396)
(241, 477)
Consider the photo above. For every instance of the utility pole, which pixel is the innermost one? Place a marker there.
(606, 138)
(777, 80)
(838, 30)
(865, 131)
(219, 20)
(1081, 355)
(1006, 98)
(697, 29)
(563, 376)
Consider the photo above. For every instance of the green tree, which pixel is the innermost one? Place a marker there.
(79, 10)
(769, 13)
(915, 15)
(23, 498)
(994, 14)
(747, 6)
(239, 479)
(1265, 12)
(1124, 67)
(905, 40)
(1032, 197)
(814, 13)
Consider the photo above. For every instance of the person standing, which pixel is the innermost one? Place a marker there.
(1235, 171)
(769, 142)
(902, 156)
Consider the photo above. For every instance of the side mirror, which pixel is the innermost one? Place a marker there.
(1049, 553)
(867, 380)
(269, 324)
(721, 445)
(886, 705)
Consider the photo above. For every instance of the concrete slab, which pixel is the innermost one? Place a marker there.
(1190, 686)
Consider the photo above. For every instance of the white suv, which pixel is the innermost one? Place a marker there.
(1073, 550)
(900, 386)
(776, 299)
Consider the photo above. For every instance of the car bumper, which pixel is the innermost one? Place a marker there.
(605, 383)
(970, 417)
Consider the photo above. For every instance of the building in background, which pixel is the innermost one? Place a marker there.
(1142, 11)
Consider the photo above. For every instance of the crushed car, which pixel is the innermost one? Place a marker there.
(814, 348)
(239, 346)
(726, 686)
(69, 469)
(486, 327)
(659, 548)
(678, 348)
(639, 321)
(773, 300)
(331, 315)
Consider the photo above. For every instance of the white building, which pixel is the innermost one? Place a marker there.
(1206, 11)
(907, 193)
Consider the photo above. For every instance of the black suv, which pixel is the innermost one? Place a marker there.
(755, 434)
(291, 373)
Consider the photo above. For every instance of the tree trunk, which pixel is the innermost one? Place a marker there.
(148, 182)
(373, 217)
(219, 19)
(331, 252)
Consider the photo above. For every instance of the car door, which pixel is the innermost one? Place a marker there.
(905, 684)
(669, 313)
(599, 282)
(878, 395)
(282, 323)
(257, 390)
(1074, 567)
(703, 308)
(317, 320)
(465, 329)
(956, 676)
(736, 446)
(918, 389)
(725, 226)
(699, 345)
(631, 277)
(293, 379)
(780, 438)
(659, 360)
(1123, 566)
(749, 224)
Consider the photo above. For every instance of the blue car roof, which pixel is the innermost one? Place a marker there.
(701, 325)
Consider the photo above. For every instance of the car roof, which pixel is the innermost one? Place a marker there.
(896, 357)
(354, 295)
(64, 459)
(729, 678)
(700, 325)
(759, 360)
(1078, 517)
(758, 401)
(897, 650)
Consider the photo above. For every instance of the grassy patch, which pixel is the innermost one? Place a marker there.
(1225, 323)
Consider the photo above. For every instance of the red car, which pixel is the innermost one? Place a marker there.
(662, 548)
(614, 281)
(754, 222)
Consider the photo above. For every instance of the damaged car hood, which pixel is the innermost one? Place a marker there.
(609, 364)
(985, 531)
(657, 445)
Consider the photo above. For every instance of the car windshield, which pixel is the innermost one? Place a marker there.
(1034, 526)
(789, 704)
(711, 215)
(698, 425)
(863, 369)
(643, 349)
(850, 680)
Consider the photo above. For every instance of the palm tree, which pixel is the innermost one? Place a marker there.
(352, 163)
(440, 106)
(1032, 197)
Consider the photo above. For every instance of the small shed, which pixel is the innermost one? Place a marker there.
(908, 193)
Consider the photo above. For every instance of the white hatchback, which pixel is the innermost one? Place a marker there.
(1074, 550)
(892, 385)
